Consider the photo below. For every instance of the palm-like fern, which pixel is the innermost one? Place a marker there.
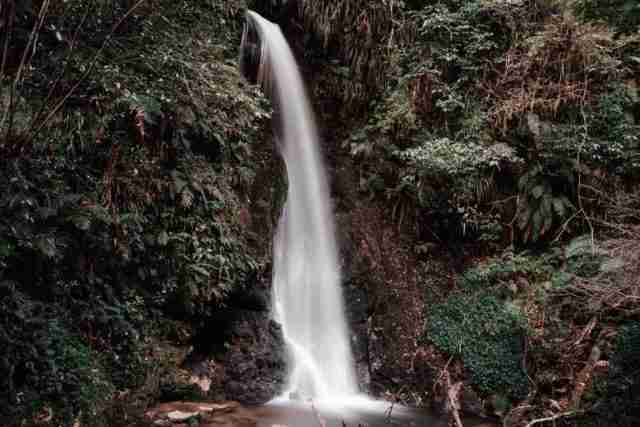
(541, 206)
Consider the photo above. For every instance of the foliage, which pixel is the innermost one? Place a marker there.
(127, 203)
(622, 14)
(464, 172)
(492, 272)
(488, 335)
(356, 32)
(44, 360)
(544, 202)
(565, 63)
(443, 157)
(602, 136)
(552, 93)
(621, 403)
(601, 276)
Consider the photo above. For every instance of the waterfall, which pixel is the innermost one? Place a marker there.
(307, 298)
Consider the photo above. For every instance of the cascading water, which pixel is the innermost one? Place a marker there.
(307, 299)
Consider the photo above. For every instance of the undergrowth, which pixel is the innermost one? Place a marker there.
(488, 336)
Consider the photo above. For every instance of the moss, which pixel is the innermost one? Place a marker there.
(487, 335)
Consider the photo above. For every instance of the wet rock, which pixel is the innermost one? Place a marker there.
(356, 305)
(182, 414)
(239, 354)
(470, 402)
(254, 361)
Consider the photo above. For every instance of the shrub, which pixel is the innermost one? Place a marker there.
(494, 271)
(543, 203)
(623, 14)
(127, 206)
(488, 335)
(45, 364)
(621, 403)
(602, 275)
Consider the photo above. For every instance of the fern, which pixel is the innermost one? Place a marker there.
(541, 207)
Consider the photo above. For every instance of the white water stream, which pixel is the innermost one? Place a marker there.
(307, 298)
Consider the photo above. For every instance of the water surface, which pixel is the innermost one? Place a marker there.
(302, 415)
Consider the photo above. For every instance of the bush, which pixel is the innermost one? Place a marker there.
(127, 206)
(46, 365)
(621, 404)
(488, 335)
(623, 14)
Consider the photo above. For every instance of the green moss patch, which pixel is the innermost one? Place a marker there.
(487, 335)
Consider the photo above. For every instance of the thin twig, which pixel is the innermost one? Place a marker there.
(10, 112)
(551, 418)
(72, 46)
(564, 226)
(9, 14)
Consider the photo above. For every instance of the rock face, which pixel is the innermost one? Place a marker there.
(356, 304)
(254, 364)
(383, 298)
(240, 355)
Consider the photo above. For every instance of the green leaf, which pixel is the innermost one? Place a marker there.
(199, 270)
(46, 246)
(538, 218)
(82, 222)
(6, 249)
(559, 207)
(163, 238)
(537, 191)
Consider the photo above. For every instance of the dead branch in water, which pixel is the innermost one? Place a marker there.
(453, 400)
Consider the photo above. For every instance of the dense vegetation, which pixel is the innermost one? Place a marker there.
(502, 134)
(127, 156)
(508, 133)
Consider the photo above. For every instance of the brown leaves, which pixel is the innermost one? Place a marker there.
(565, 63)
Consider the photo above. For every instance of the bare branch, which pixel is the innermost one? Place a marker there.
(9, 113)
(551, 418)
(89, 70)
